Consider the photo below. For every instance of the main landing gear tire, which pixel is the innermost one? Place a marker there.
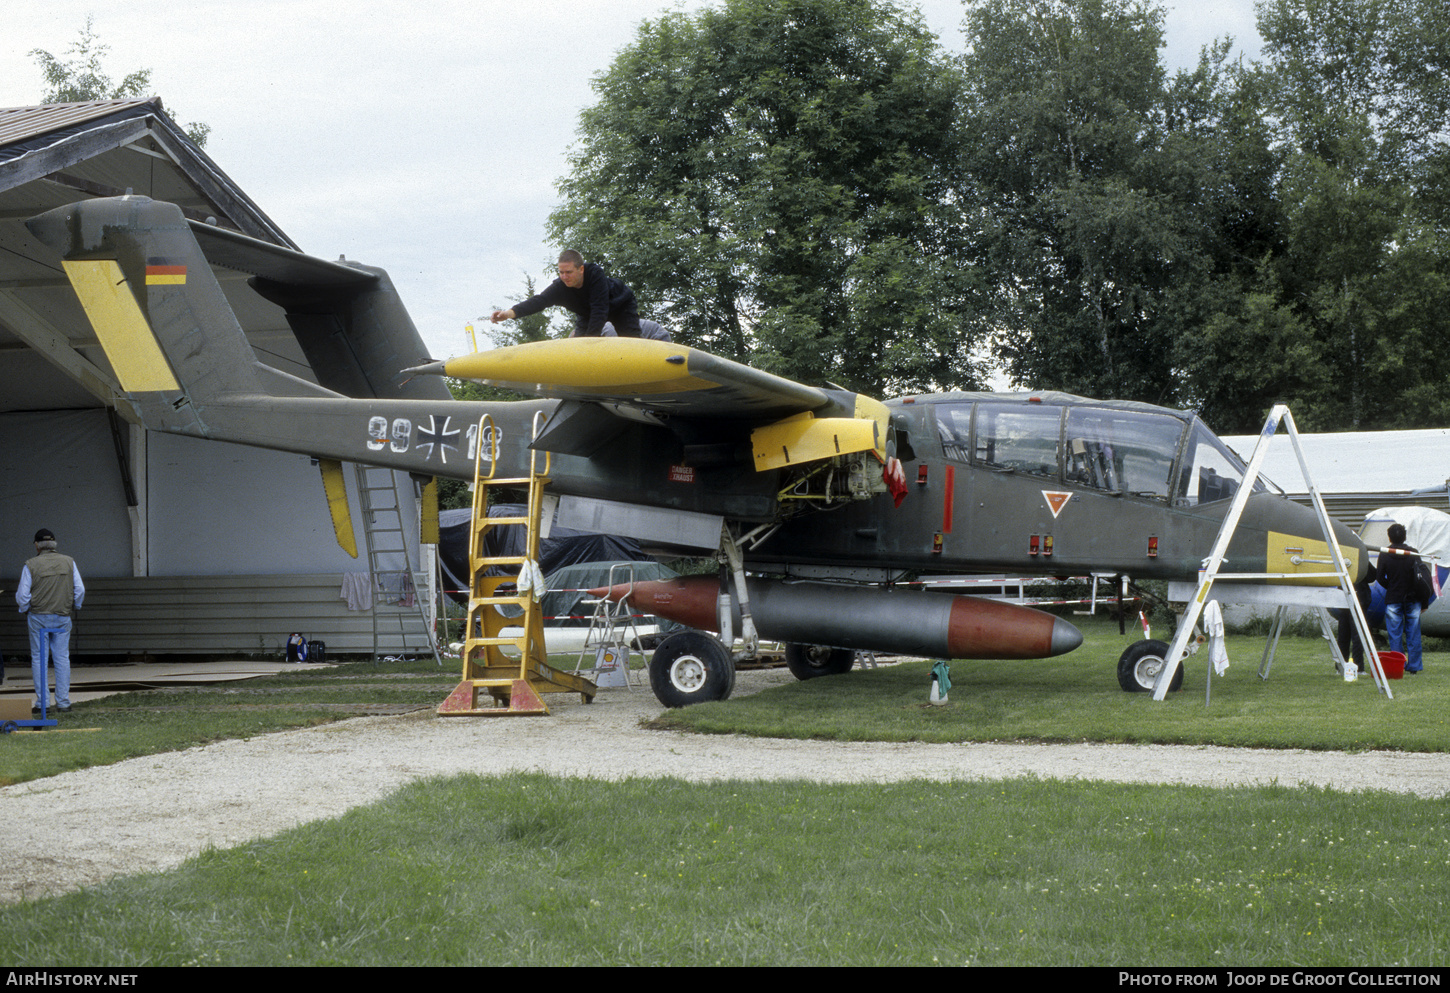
(1138, 667)
(691, 667)
(810, 661)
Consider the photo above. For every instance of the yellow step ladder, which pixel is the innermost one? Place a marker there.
(518, 679)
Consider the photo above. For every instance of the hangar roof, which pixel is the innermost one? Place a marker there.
(104, 147)
(1356, 461)
(21, 123)
(57, 154)
(1357, 472)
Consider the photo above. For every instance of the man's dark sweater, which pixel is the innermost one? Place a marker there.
(1396, 573)
(601, 298)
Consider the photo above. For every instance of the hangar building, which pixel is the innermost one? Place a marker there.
(186, 546)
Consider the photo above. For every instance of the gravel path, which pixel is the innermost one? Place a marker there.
(152, 813)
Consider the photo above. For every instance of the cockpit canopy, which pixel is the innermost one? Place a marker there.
(1125, 449)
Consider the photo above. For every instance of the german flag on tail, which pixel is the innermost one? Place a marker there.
(164, 272)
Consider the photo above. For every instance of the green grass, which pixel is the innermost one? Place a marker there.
(1075, 698)
(168, 719)
(531, 870)
(1303, 704)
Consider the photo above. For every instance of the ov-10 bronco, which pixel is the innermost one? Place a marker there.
(818, 501)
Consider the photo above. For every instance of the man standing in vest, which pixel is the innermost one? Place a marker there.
(51, 592)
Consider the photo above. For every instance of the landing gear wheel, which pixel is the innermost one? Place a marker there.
(1138, 667)
(691, 667)
(810, 661)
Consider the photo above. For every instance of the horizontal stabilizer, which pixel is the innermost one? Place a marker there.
(347, 317)
(243, 253)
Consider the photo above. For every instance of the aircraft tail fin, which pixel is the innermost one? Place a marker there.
(167, 329)
(357, 335)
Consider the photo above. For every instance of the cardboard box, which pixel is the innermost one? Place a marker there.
(15, 708)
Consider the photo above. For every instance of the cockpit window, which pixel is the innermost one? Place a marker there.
(1211, 471)
(1122, 451)
(1127, 452)
(1019, 437)
(954, 424)
(899, 438)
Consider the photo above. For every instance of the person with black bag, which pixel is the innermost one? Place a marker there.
(1398, 572)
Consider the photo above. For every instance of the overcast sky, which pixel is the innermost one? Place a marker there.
(423, 137)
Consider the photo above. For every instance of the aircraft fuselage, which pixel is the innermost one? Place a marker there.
(1151, 510)
(969, 506)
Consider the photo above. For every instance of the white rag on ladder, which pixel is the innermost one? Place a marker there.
(1213, 625)
(531, 580)
(357, 590)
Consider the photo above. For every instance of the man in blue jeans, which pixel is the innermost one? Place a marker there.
(1396, 573)
(51, 592)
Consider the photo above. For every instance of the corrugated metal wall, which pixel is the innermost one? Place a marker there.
(244, 615)
(1350, 509)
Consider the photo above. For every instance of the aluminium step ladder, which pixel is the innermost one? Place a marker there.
(399, 606)
(613, 636)
(516, 684)
(1331, 562)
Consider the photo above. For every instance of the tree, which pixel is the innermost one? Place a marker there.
(84, 77)
(774, 179)
(1356, 94)
(1238, 349)
(1117, 207)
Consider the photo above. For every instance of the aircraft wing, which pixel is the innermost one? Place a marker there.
(640, 373)
(790, 423)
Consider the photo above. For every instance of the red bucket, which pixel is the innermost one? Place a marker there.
(1393, 663)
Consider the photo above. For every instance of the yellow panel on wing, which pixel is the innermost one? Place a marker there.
(804, 438)
(122, 328)
(875, 410)
(335, 486)
(428, 513)
(1288, 553)
(616, 366)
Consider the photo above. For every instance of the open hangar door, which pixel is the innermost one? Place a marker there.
(186, 546)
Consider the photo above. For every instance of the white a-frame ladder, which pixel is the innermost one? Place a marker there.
(1178, 648)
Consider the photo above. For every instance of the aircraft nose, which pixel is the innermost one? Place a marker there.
(1065, 637)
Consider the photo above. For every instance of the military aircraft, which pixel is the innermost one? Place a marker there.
(819, 501)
